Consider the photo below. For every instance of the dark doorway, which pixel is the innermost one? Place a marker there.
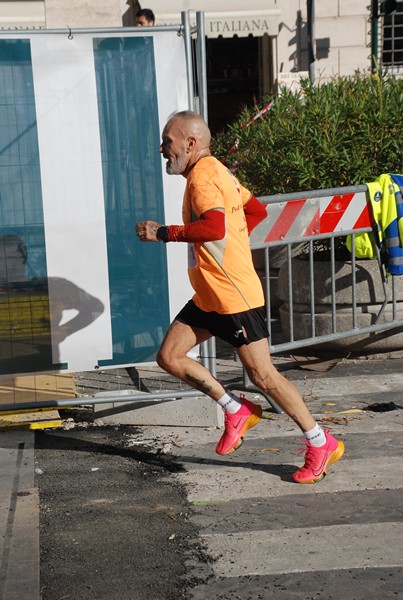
(233, 75)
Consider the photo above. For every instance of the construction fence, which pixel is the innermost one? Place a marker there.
(320, 299)
(83, 111)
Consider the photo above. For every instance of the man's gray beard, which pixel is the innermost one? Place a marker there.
(177, 168)
(170, 170)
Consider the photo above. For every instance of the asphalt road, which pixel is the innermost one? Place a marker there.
(153, 513)
(114, 521)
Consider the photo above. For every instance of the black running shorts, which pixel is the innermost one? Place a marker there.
(237, 329)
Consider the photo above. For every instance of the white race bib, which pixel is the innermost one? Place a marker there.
(192, 259)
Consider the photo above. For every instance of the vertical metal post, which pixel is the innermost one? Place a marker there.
(310, 6)
(354, 283)
(189, 62)
(333, 283)
(201, 65)
(394, 298)
(312, 289)
(374, 36)
(267, 288)
(290, 294)
(207, 349)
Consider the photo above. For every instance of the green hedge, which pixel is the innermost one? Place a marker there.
(345, 132)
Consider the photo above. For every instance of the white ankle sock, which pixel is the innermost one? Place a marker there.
(230, 403)
(316, 436)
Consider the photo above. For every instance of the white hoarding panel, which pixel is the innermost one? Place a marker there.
(80, 124)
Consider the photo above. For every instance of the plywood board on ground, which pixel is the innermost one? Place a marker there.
(38, 419)
(36, 388)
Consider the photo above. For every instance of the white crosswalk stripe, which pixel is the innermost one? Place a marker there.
(240, 482)
(259, 528)
(285, 551)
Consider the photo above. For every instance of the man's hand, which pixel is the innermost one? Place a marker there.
(147, 231)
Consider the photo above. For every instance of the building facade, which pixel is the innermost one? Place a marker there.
(249, 51)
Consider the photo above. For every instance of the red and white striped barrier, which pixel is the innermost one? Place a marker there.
(233, 168)
(308, 217)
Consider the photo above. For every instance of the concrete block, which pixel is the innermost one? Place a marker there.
(344, 32)
(352, 59)
(389, 340)
(17, 459)
(349, 8)
(184, 412)
(21, 548)
(75, 13)
(369, 300)
(326, 8)
(369, 286)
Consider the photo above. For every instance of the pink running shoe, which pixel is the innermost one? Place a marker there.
(317, 460)
(237, 424)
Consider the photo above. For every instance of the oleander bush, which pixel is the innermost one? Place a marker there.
(344, 132)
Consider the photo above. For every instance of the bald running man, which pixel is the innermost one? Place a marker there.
(218, 215)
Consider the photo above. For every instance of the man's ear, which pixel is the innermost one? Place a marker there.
(190, 143)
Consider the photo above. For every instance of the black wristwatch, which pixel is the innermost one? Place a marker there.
(163, 233)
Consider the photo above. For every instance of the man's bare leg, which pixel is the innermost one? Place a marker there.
(256, 359)
(172, 357)
(240, 414)
(322, 449)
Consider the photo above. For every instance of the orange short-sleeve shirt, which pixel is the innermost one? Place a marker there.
(221, 272)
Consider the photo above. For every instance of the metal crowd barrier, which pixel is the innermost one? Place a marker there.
(297, 223)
